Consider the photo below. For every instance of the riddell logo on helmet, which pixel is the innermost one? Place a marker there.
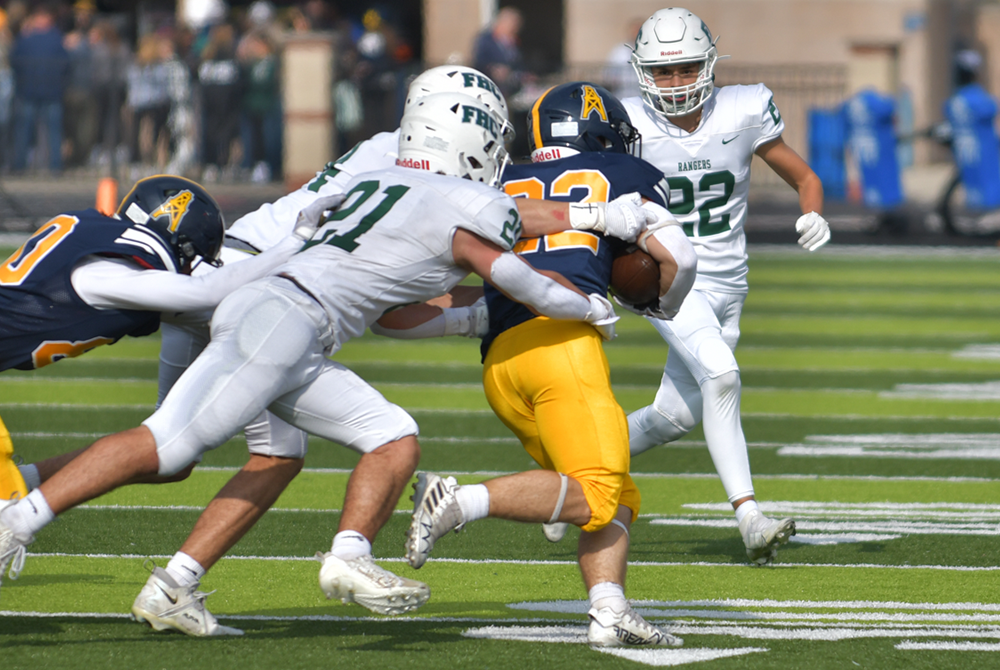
(542, 155)
(671, 53)
(418, 163)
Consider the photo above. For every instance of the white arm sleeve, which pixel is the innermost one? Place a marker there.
(108, 283)
(677, 243)
(517, 279)
(663, 218)
(436, 327)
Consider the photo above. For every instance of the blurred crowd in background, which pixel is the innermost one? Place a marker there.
(133, 94)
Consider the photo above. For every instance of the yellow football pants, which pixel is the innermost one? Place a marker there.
(11, 481)
(548, 381)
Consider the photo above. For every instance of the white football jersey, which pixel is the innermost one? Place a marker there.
(708, 172)
(266, 226)
(389, 244)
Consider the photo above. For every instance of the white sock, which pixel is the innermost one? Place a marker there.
(474, 501)
(31, 477)
(608, 594)
(184, 569)
(348, 544)
(744, 509)
(28, 516)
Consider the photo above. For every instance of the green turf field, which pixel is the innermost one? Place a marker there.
(872, 407)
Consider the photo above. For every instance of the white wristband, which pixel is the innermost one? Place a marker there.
(587, 216)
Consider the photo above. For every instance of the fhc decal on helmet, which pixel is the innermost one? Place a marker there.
(481, 118)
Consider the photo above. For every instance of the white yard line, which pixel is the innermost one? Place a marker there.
(571, 563)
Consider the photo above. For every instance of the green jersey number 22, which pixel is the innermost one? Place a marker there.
(708, 184)
(347, 239)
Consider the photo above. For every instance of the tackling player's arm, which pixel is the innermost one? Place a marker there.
(666, 242)
(121, 284)
(517, 279)
(622, 217)
(814, 230)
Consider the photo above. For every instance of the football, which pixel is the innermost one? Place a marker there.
(635, 277)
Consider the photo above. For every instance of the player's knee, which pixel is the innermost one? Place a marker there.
(630, 497)
(162, 477)
(651, 425)
(727, 384)
(404, 452)
(716, 358)
(288, 465)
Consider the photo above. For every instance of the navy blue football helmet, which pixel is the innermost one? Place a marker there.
(580, 116)
(182, 214)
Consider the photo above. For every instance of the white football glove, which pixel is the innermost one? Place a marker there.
(625, 217)
(479, 318)
(602, 316)
(652, 312)
(814, 231)
(311, 216)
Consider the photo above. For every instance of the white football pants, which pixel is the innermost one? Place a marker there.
(267, 435)
(268, 351)
(700, 383)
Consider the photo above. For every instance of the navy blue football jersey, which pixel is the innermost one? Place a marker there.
(44, 320)
(583, 257)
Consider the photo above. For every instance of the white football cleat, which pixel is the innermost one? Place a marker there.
(165, 605)
(360, 580)
(554, 532)
(762, 535)
(609, 628)
(435, 513)
(12, 548)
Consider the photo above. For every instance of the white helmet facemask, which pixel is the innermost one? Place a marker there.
(465, 80)
(453, 134)
(671, 37)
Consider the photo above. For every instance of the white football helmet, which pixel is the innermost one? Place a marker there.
(453, 134)
(669, 37)
(462, 79)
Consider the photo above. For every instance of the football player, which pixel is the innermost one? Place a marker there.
(404, 234)
(548, 380)
(703, 138)
(85, 279)
(276, 448)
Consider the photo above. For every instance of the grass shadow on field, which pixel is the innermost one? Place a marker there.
(35, 580)
(374, 635)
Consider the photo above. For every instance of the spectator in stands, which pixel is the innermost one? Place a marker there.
(496, 51)
(261, 116)
(262, 18)
(221, 96)
(619, 77)
(6, 90)
(319, 14)
(148, 97)
(110, 61)
(376, 76)
(80, 120)
(180, 121)
(41, 69)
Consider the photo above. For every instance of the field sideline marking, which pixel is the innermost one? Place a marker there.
(488, 412)
(909, 645)
(505, 561)
(897, 528)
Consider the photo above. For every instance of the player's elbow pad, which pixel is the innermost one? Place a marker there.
(519, 281)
